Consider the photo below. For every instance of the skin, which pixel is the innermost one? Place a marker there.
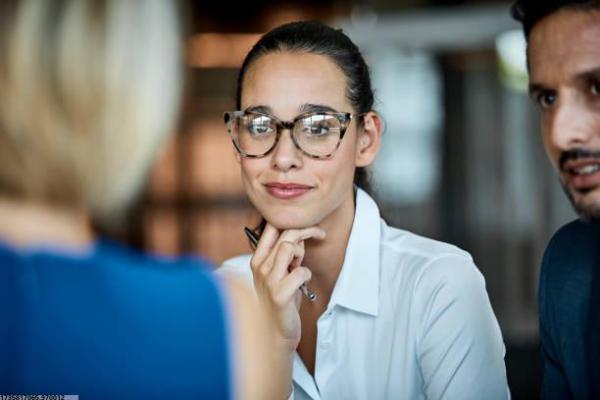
(312, 230)
(29, 225)
(564, 63)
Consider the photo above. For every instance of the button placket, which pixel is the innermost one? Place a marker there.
(325, 357)
(323, 330)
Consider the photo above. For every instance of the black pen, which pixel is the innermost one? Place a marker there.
(253, 237)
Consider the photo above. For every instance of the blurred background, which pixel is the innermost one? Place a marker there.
(462, 159)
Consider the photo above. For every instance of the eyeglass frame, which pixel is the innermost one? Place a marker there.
(289, 125)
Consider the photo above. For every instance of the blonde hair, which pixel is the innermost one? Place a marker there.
(87, 90)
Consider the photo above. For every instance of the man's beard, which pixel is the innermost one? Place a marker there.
(587, 212)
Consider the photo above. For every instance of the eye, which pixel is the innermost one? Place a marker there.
(595, 88)
(546, 99)
(258, 129)
(318, 129)
(260, 126)
(320, 126)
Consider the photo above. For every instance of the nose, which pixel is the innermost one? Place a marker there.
(286, 155)
(572, 126)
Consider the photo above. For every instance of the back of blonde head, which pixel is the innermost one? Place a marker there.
(87, 90)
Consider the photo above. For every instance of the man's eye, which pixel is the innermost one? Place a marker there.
(595, 88)
(546, 99)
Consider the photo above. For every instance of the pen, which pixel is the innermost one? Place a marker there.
(253, 237)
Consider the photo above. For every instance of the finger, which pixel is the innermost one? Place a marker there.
(268, 240)
(297, 261)
(289, 286)
(298, 235)
(288, 253)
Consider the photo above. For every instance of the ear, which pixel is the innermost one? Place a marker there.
(369, 139)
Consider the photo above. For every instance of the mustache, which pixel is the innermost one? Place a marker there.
(576, 154)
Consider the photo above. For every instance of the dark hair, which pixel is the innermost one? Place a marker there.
(317, 38)
(530, 12)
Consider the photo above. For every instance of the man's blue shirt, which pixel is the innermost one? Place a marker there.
(568, 304)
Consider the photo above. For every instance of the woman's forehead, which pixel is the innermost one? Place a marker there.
(288, 81)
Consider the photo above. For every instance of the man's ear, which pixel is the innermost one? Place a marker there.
(369, 139)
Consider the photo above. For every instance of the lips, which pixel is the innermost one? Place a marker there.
(582, 174)
(287, 191)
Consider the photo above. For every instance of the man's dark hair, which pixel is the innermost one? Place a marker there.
(530, 12)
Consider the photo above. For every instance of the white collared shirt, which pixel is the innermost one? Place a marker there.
(409, 318)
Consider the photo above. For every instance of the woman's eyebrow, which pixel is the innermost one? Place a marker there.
(308, 107)
(260, 109)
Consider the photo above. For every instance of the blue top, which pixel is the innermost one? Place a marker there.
(111, 324)
(569, 294)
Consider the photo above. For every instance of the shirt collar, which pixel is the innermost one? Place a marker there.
(357, 287)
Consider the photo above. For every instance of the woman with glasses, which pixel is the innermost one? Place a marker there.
(362, 310)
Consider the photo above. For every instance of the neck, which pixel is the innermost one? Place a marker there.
(29, 225)
(325, 258)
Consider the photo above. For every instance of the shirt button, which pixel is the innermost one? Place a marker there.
(325, 345)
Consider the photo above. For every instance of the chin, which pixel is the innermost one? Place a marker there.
(288, 223)
(586, 205)
(289, 220)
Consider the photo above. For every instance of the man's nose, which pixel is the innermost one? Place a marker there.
(573, 125)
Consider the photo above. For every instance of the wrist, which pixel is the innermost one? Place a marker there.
(283, 360)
